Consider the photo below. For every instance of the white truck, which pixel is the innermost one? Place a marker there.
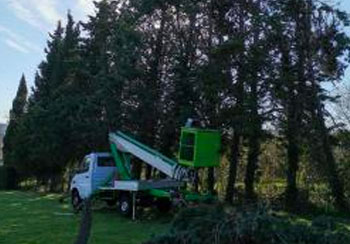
(109, 175)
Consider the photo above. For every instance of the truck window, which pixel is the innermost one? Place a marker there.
(105, 162)
(84, 166)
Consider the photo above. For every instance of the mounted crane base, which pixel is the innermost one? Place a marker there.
(142, 185)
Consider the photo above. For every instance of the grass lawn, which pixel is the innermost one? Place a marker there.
(31, 218)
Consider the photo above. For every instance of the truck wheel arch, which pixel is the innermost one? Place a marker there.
(76, 200)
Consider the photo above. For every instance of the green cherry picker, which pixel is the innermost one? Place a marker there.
(109, 175)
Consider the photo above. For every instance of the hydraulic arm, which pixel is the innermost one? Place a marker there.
(122, 146)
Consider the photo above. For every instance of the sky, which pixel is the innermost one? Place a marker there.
(24, 28)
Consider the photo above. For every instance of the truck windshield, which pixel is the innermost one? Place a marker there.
(105, 162)
(84, 165)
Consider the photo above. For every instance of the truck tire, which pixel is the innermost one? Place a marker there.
(77, 202)
(125, 205)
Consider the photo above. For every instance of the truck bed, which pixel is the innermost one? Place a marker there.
(142, 185)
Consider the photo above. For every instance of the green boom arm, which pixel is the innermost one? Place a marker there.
(123, 145)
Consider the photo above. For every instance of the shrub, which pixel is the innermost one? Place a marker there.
(257, 226)
(8, 179)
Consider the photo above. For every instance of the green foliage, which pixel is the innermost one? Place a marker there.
(12, 136)
(8, 178)
(214, 225)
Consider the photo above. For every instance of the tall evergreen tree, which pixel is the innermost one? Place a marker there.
(236, 82)
(301, 67)
(332, 43)
(17, 112)
(42, 122)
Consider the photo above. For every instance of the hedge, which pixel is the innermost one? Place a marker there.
(8, 178)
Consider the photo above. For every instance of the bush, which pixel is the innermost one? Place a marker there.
(259, 226)
(8, 178)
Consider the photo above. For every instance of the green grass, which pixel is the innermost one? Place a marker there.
(31, 218)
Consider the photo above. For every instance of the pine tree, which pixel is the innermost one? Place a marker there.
(259, 66)
(97, 54)
(298, 89)
(324, 67)
(43, 113)
(237, 62)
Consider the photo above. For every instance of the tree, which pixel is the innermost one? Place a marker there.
(302, 68)
(333, 43)
(16, 114)
(236, 82)
(52, 101)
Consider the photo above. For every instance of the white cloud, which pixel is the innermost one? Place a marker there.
(19, 39)
(42, 14)
(15, 45)
(24, 13)
(8, 32)
(48, 11)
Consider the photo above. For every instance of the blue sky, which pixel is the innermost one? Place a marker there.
(24, 27)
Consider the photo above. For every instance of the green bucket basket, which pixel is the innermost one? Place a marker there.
(199, 147)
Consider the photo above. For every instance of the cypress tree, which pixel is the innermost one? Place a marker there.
(16, 115)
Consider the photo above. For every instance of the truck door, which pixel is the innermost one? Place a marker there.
(103, 173)
(84, 178)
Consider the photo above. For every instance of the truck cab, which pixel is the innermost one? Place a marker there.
(94, 171)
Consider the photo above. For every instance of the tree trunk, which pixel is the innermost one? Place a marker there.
(292, 109)
(149, 170)
(234, 160)
(293, 161)
(136, 169)
(211, 180)
(252, 165)
(254, 134)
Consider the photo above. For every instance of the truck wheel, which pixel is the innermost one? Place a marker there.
(163, 205)
(124, 206)
(76, 201)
